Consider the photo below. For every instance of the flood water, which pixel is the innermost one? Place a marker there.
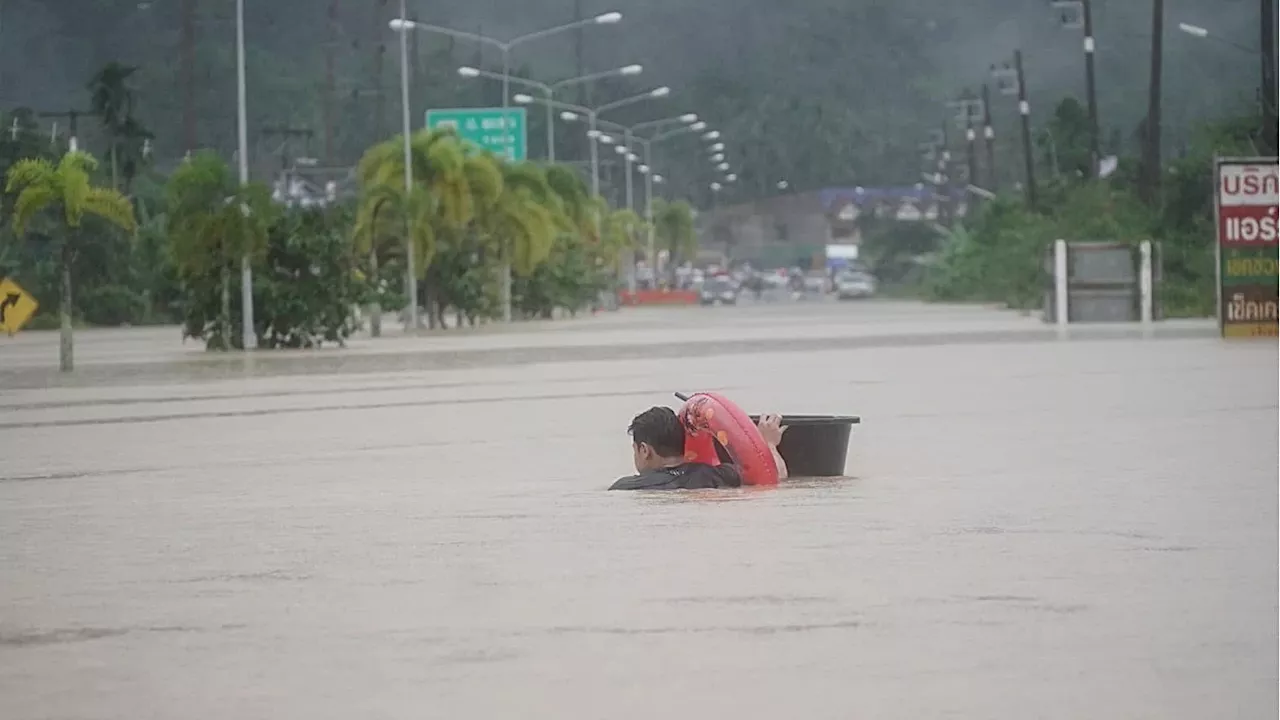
(1034, 528)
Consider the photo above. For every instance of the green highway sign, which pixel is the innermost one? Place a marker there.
(486, 129)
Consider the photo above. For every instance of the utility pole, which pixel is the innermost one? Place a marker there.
(329, 89)
(971, 154)
(580, 54)
(1024, 110)
(989, 136)
(1150, 188)
(380, 52)
(189, 75)
(1091, 90)
(1269, 79)
(73, 125)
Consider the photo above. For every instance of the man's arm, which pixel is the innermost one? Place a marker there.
(777, 460)
(771, 430)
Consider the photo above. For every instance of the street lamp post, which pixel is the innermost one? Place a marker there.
(248, 337)
(411, 275)
(403, 25)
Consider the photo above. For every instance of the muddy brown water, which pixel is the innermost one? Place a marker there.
(1031, 529)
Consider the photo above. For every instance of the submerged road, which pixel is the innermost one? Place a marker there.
(417, 527)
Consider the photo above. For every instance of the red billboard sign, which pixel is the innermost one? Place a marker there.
(1247, 201)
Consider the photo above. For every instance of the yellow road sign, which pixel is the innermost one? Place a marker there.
(16, 306)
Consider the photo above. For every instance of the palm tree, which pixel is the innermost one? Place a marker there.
(380, 223)
(673, 228)
(213, 222)
(112, 100)
(575, 201)
(64, 190)
(523, 220)
(438, 164)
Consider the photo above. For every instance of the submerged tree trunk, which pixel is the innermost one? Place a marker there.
(224, 313)
(66, 361)
(375, 307)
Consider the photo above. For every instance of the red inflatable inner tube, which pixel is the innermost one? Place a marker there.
(709, 418)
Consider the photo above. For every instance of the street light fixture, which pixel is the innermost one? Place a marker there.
(1195, 30)
(1200, 32)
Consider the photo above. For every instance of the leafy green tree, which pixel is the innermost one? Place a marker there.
(673, 231)
(213, 222)
(438, 166)
(64, 194)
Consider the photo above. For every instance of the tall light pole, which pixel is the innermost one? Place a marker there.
(1082, 18)
(549, 91)
(411, 275)
(248, 337)
(402, 25)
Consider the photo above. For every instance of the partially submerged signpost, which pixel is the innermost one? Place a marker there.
(1247, 205)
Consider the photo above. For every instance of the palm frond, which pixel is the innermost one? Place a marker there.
(29, 171)
(111, 206)
(31, 201)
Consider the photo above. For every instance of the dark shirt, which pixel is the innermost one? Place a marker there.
(687, 476)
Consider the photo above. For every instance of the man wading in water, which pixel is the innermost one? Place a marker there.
(657, 444)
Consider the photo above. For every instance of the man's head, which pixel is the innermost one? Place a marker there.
(657, 438)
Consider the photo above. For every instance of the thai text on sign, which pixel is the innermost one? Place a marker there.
(1248, 203)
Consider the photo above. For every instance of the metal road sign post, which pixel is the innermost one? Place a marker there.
(16, 306)
(486, 129)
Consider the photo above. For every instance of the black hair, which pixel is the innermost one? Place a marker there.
(661, 429)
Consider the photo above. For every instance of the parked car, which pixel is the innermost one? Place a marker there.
(719, 290)
(814, 282)
(851, 285)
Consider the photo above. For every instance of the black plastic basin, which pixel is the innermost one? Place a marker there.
(813, 445)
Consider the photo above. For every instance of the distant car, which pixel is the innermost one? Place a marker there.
(719, 290)
(815, 283)
(855, 285)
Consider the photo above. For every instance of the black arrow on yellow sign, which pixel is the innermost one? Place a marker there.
(10, 300)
